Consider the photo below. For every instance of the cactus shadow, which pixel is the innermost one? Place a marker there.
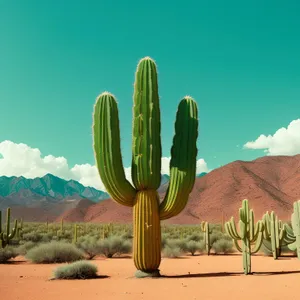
(275, 273)
(203, 275)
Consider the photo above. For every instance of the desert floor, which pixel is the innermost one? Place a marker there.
(188, 278)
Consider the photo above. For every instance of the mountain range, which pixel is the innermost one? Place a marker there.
(270, 183)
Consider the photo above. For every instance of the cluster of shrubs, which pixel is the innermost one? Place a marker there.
(44, 244)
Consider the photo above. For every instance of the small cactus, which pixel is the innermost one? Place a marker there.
(295, 231)
(7, 235)
(75, 234)
(205, 228)
(249, 234)
(275, 232)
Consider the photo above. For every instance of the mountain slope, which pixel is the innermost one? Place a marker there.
(270, 183)
(49, 186)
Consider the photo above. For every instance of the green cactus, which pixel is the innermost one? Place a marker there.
(295, 230)
(146, 161)
(5, 237)
(62, 226)
(19, 232)
(75, 234)
(249, 234)
(275, 234)
(205, 228)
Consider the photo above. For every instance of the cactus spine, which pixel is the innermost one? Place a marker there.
(205, 228)
(146, 161)
(249, 234)
(5, 237)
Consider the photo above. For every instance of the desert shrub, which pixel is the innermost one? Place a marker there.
(90, 245)
(215, 236)
(163, 240)
(172, 252)
(197, 237)
(76, 270)
(34, 237)
(114, 245)
(181, 243)
(46, 237)
(54, 252)
(223, 245)
(65, 235)
(25, 247)
(127, 235)
(7, 253)
(192, 247)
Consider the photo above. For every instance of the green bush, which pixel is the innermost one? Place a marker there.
(90, 245)
(7, 253)
(77, 270)
(197, 237)
(25, 247)
(172, 252)
(54, 252)
(114, 245)
(192, 247)
(223, 245)
(34, 237)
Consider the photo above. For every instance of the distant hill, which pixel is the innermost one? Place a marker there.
(48, 197)
(270, 183)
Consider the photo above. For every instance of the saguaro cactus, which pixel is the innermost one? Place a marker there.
(146, 162)
(275, 234)
(295, 246)
(206, 229)
(7, 235)
(249, 234)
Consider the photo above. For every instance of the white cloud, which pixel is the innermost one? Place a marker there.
(22, 160)
(285, 141)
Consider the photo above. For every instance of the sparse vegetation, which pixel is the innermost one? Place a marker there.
(54, 252)
(77, 270)
(7, 253)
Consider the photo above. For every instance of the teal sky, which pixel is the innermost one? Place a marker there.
(239, 59)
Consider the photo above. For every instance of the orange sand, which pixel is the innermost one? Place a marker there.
(188, 278)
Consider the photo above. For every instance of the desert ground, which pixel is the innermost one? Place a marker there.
(189, 278)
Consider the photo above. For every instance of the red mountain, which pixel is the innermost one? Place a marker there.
(269, 183)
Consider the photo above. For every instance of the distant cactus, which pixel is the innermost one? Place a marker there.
(75, 234)
(7, 235)
(146, 162)
(275, 232)
(62, 226)
(206, 229)
(295, 246)
(249, 234)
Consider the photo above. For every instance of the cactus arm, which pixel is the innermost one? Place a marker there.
(231, 230)
(237, 246)
(183, 159)
(106, 134)
(258, 243)
(146, 140)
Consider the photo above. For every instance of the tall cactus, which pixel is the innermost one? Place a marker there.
(146, 162)
(206, 229)
(249, 234)
(295, 246)
(275, 234)
(7, 235)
